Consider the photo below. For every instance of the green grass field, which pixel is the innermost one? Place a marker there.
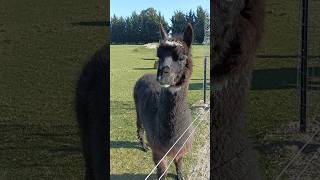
(44, 44)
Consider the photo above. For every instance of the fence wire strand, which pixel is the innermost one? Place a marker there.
(198, 115)
(301, 149)
(204, 115)
(307, 165)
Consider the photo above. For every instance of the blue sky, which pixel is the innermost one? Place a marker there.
(166, 7)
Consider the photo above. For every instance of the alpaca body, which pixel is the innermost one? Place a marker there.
(239, 26)
(91, 111)
(163, 113)
(161, 102)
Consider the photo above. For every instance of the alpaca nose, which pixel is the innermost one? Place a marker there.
(166, 70)
(163, 73)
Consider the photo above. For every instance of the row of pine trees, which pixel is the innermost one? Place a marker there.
(144, 27)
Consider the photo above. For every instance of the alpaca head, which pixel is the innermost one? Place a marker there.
(230, 8)
(175, 65)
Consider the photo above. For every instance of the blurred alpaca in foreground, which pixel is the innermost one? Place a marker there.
(238, 28)
(91, 109)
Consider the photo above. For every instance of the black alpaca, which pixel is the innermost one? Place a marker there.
(161, 101)
(91, 109)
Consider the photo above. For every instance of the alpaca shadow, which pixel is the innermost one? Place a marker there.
(92, 23)
(272, 56)
(197, 86)
(122, 105)
(273, 146)
(124, 144)
(284, 78)
(149, 59)
(62, 141)
(143, 68)
(68, 150)
(127, 176)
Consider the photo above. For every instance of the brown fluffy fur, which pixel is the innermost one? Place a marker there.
(238, 28)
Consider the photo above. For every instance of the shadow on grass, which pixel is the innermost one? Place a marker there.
(122, 105)
(67, 149)
(92, 23)
(153, 59)
(124, 144)
(128, 176)
(284, 78)
(197, 86)
(144, 69)
(284, 56)
(54, 139)
(53, 134)
(273, 146)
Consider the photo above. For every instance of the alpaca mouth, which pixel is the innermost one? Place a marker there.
(166, 81)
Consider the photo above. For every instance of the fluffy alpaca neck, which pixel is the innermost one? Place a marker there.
(237, 35)
(233, 155)
(172, 112)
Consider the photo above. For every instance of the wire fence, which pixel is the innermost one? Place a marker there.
(305, 162)
(202, 118)
(297, 155)
(201, 169)
(200, 114)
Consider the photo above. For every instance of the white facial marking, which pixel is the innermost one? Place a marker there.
(165, 85)
(173, 43)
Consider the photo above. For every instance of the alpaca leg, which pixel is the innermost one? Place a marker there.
(178, 163)
(162, 166)
(140, 134)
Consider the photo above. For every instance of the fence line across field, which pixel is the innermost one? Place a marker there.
(308, 164)
(301, 149)
(296, 155)
(207, 154)
(184, 143)
(198, 115)
(315, 155)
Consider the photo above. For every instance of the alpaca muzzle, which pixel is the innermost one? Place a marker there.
(164, 74)
(165, 77)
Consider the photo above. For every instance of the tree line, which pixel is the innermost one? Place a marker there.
(144, 27)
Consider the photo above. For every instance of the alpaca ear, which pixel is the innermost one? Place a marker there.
(163, 34)
(188, 35)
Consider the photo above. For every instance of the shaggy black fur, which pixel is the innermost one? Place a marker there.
(163, 111)
(91, 109)
(238, 28)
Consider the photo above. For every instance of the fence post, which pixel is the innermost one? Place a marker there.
(304, 67)
(205, 80)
